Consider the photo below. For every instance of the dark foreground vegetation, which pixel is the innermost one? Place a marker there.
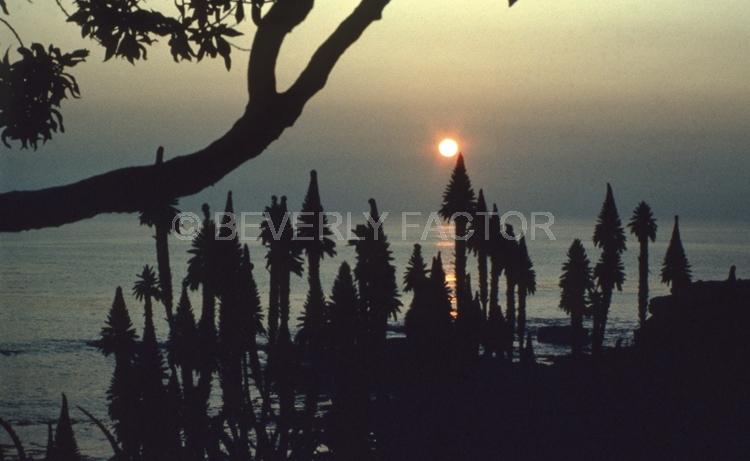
(463, 384)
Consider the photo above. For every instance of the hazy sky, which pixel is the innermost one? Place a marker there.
(550, 99)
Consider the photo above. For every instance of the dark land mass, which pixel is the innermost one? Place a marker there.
(681, 393)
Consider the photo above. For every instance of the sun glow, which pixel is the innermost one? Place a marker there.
(448, 147)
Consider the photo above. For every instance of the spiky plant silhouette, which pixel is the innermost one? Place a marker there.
(643, 225)
(458, 206)
(675, 269)
(348, 346)
(202, 272)
(153, 411)
(375, 274)
(118, 338)
(479, 243)
(282, 259)
(428, 322)
(609, 272)
(576, 282)
(377, 287)
(496, 335)
(313, 236)
(65, 447)
(511, 257)
(526, 280)
(161, 215)
(415, 282)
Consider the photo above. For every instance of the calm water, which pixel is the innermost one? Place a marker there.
(56, 286)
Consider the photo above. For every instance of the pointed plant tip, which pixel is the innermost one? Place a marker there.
(373, 207)
(160, 155)
(313, 174)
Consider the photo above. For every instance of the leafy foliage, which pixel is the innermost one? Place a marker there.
(277, 233)
(459, 195)
(458, 205)
(374, 271)
(416, 271)
(313, 231)
(183, 335)
(159, 213)
(428, 321)
(31, 90)
(642, 223)
(576, 280)
(342, 311)
(610, 237)
(118, 338)
(416, 281)
(252, 315)
(479, 240)
(147, 285)
(313, 234)
(609, 272)
(125, 29)
(577, 289)
(118, 334)
(203, 263)
(282, 259)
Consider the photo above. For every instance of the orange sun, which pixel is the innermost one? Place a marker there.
(448, 147)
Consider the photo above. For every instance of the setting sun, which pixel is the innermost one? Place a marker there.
(448, 147)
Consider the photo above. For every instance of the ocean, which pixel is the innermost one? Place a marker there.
(56, 286)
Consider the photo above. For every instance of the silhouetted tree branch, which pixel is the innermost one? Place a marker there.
(266, 116)
(315, 75)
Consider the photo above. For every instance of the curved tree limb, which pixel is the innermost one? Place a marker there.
(272, 29)
(16, 441)
(266, 116)
(314, 77)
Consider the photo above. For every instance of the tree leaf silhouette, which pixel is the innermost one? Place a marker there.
(31, 91)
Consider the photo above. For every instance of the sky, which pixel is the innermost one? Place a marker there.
(550, 100)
